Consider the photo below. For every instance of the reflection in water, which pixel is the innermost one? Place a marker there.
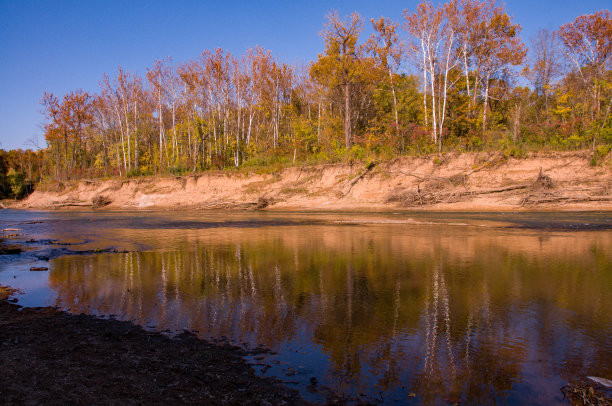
(446, 314)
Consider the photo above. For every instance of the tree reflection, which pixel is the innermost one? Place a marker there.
(448, 317)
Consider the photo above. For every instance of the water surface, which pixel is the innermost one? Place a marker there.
(397, 308)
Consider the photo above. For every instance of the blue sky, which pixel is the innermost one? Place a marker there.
(59, 46)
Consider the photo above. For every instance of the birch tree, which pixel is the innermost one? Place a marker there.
(433, 35)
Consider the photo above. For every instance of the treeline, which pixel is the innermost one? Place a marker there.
(19, 171)
(457, 76)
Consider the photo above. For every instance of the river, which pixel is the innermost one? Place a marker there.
(396, 308)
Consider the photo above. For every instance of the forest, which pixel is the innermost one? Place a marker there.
(456, 76)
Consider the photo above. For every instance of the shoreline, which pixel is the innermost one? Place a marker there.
(452, 182)
(154, 367)
(110, 361)
(465, 207)
(104, 360)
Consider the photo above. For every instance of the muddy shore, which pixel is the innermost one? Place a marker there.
(51, 357)
(472, 182)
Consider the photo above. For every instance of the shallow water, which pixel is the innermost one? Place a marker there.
(397, 308)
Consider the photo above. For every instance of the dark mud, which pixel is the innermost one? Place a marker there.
(50, 357)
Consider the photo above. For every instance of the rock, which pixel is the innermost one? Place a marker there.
(10, 250)
(38, 269)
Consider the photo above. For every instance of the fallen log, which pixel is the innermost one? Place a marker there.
(217, 205)
(535, 200)
(495, 190)
(71, 204)
(425, 177)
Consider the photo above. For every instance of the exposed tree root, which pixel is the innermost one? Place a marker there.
(368, 168)
(100, 201)
(426, 197)
(585, 394)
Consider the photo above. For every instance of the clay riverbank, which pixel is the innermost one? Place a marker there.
(478, 181)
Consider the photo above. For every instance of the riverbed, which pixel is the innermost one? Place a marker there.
(396, 308)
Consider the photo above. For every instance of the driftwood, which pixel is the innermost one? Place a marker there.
(260, 204)
(420, 198)
(71, 204)
(534, 199)
(218, 205)
(100, 201)
(491, 191)
(434, 190)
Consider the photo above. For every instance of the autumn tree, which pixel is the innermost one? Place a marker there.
(588, 45)
(433, 32)
(355, 100)
(56, 129)
(588, 42)
(79, 115)
(66, 119)
(498, 47)
(384, 45)
(340, 65)
(157, 77)
(471, 15)
(122, 94)
(546, 65)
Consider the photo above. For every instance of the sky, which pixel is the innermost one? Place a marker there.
(58, 46)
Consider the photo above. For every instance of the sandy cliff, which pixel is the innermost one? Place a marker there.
(484, 181)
